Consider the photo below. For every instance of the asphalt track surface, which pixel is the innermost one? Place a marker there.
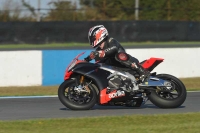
(50, 107)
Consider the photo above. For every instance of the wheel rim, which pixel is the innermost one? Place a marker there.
(81, 94)
(167, 93)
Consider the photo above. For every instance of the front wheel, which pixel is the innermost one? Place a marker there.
(172, 97)
(77, 96)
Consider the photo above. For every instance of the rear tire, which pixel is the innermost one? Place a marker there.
(159, 99)
(65, 95)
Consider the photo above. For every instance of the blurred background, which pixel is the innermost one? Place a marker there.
(60, 21)
(48, 31)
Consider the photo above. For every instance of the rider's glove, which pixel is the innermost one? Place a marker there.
(87, 59)
(101, 53)
(95, 54)
(92, 56)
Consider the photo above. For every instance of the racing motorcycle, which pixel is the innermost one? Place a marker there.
(86, 84)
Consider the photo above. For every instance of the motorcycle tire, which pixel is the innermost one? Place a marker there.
(71, 104)
(161, 102)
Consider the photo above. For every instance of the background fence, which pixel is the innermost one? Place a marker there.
(76, 31)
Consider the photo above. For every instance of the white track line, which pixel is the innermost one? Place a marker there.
(193, 91)
(9, 97)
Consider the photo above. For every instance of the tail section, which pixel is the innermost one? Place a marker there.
(151, 63)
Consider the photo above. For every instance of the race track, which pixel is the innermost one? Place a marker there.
(50, 107)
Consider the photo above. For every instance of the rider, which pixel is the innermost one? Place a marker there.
(107, 47)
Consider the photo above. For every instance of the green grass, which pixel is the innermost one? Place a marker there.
(73, 44)
(192, 84)
(174, 123)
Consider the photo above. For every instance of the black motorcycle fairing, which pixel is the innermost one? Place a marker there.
(93, 72)
(99, 76)
(128, 100)
(86, 66)
(111, 62)
(119, 67)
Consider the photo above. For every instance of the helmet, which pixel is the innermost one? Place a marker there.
(97, 35)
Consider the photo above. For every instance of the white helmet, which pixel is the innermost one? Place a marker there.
(97, 35)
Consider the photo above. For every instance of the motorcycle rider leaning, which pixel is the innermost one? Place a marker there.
(107, 47)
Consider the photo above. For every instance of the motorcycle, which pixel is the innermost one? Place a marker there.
(86, 84)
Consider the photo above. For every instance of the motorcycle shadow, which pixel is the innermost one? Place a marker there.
(100, 107)
(150, 106)
(106, 107)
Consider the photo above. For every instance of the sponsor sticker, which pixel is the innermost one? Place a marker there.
(116, 94)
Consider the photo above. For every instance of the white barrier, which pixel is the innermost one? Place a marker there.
(24, 68)
(20, 68)
(180, 62)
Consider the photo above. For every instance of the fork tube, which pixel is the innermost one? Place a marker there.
(81, 80)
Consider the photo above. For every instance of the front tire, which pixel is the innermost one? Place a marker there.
(172, 99)
(72, 99)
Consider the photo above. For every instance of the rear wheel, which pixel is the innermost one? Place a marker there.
(165, 97)
(77, 96)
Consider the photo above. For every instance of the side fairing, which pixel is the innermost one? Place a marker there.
(93, 72)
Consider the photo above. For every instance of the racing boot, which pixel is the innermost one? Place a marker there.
(144, 74)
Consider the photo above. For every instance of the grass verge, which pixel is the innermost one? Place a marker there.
(73, 44)
(192, 84)
(173, 123)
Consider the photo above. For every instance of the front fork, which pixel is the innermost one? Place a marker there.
(84, 87)
(82, 79)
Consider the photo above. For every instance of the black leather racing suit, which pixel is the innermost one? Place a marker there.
(112, 48)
